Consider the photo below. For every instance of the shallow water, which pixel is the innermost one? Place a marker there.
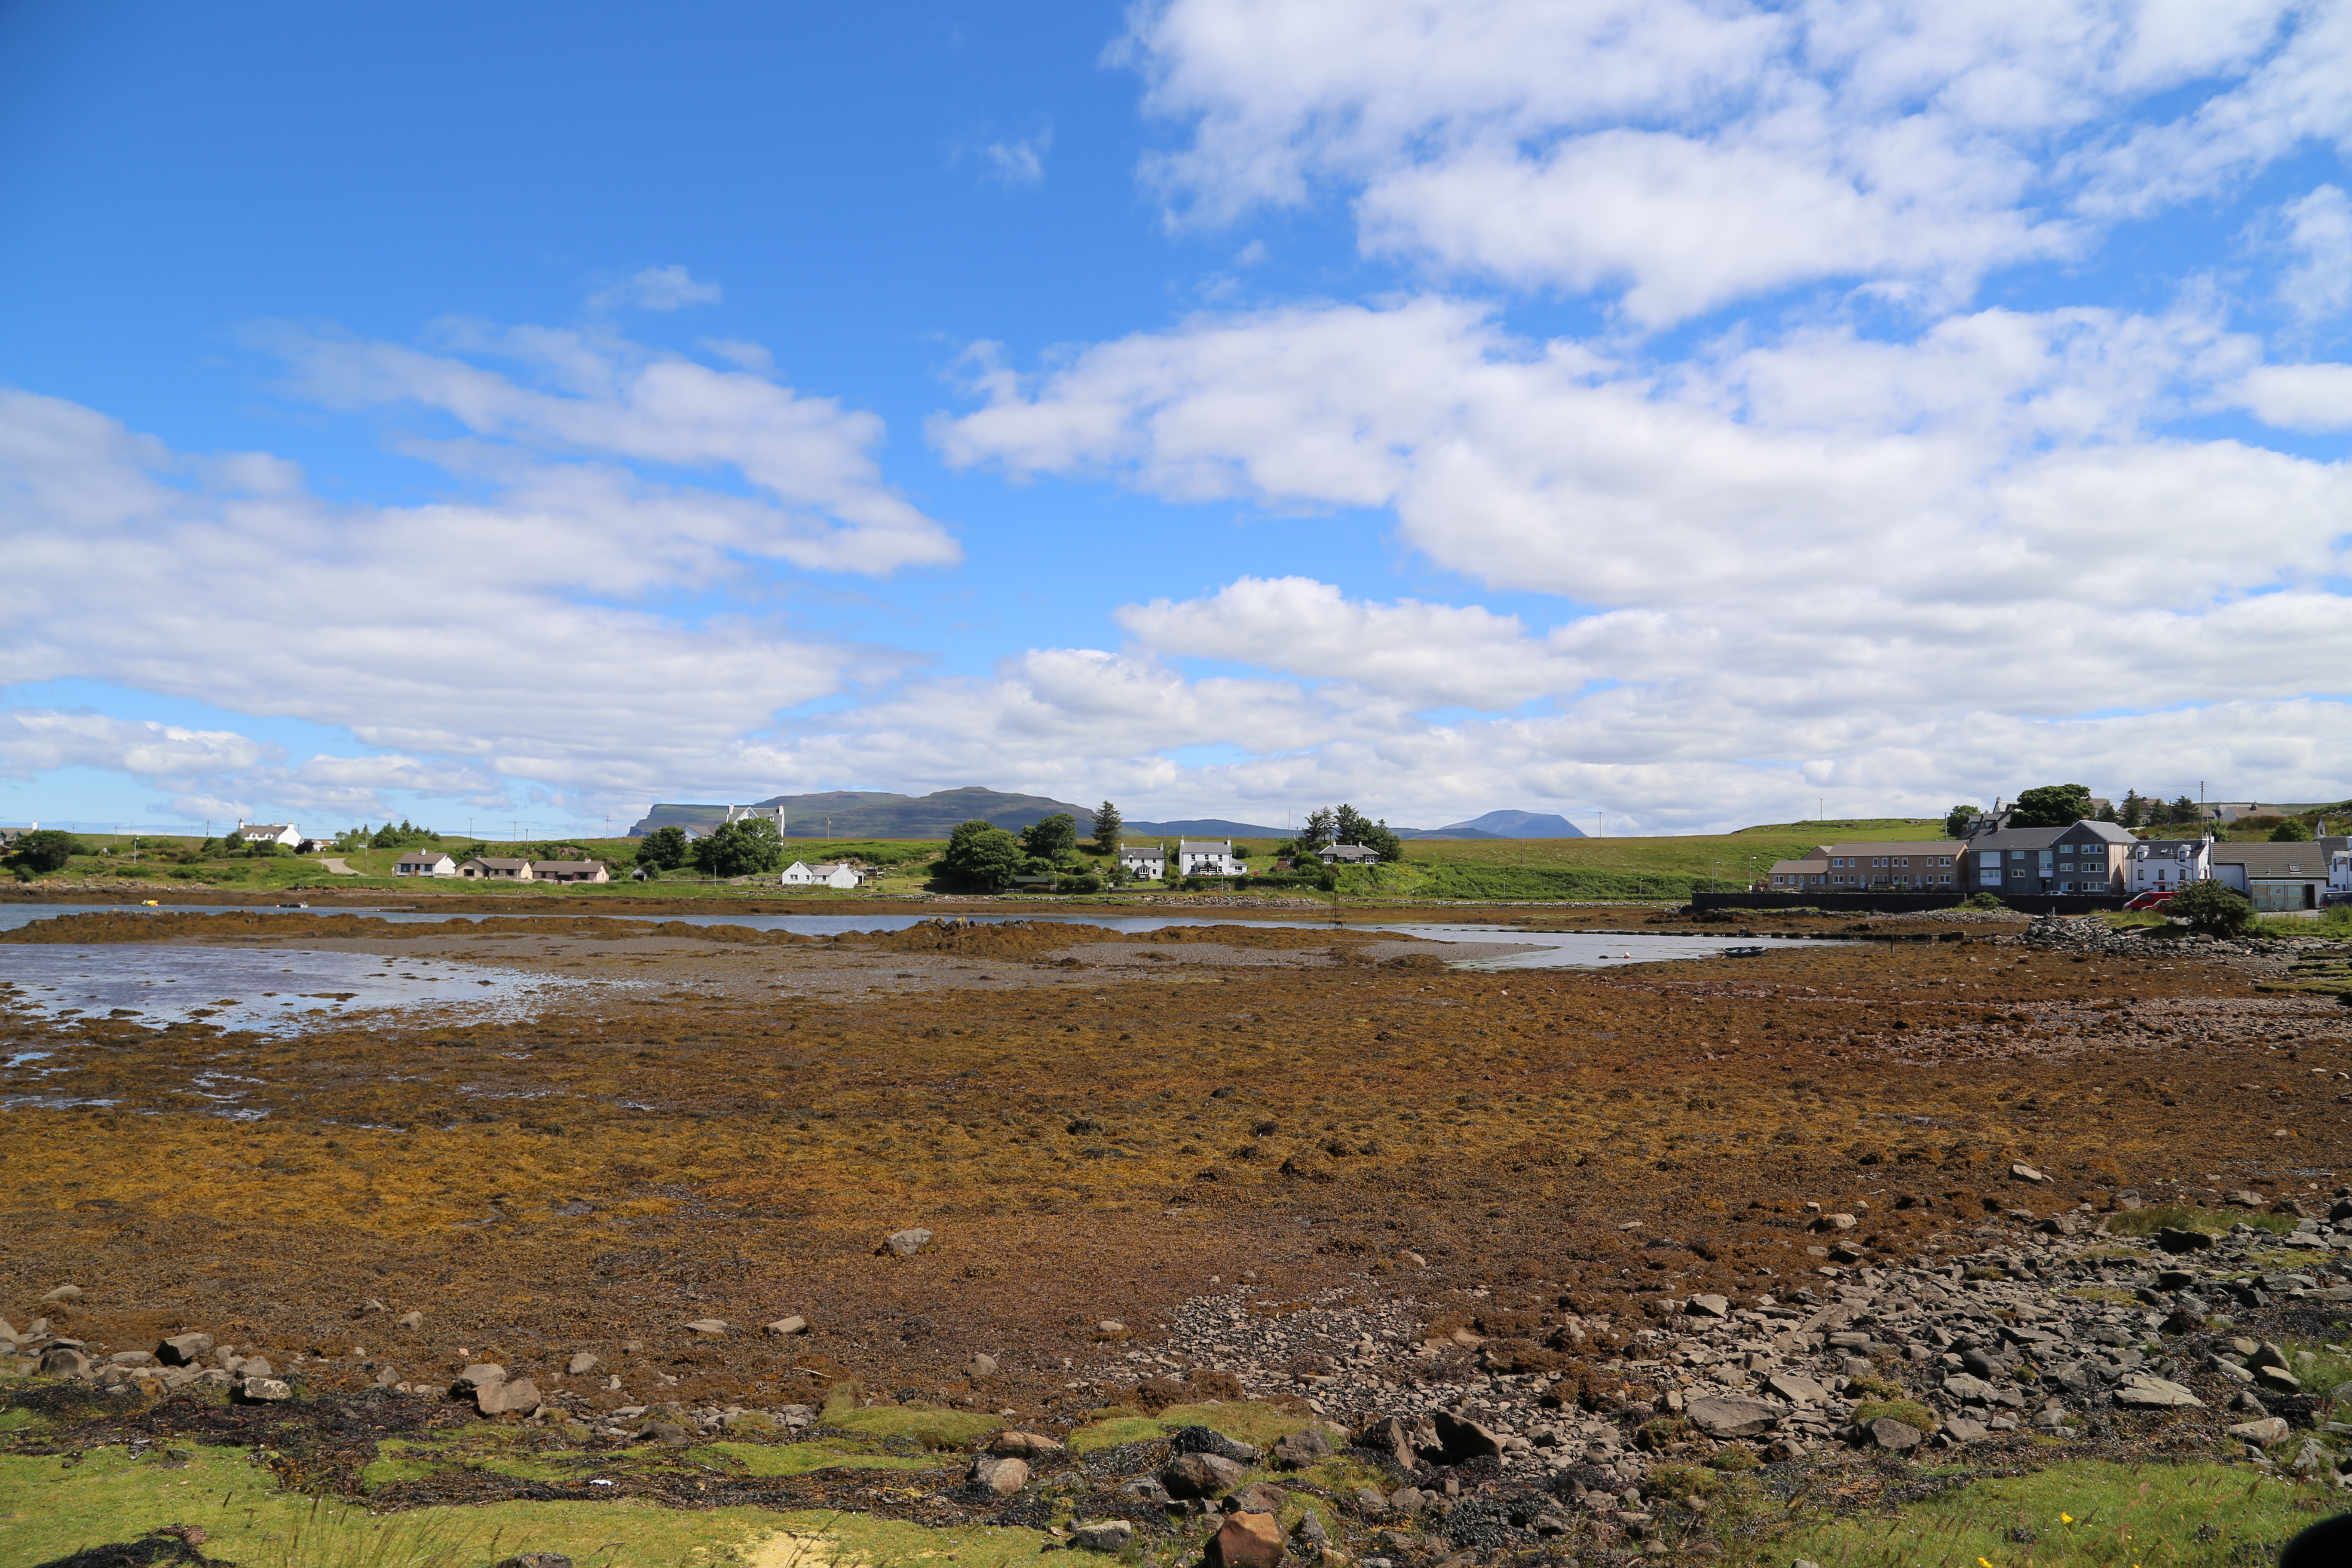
(274, 990)
(1553, 950)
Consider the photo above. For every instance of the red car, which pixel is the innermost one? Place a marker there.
(2152, 900)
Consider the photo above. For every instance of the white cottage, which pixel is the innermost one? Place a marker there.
(424, 863)
(833, 874)
(284, 833)
(1143, 862)
(2167, 865)
(1207, 857)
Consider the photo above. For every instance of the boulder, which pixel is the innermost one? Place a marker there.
(1246, 1540)
(1961, 1429)
(2278, 1379)
(411, 1320)
(1730, 1417)
(1202, 1475)
(709, 1328)
(1001, 1476)
(477, 1374)
(582, 1362)
(1892, 1436)
(182, 1350)
(1256, 1498)
(1463, 1438)
(1708, 1307)
(67, 1294)
(261, 1390)
(2145, 1393)
(1392, 1439)
(1835, 1222)
(1796, 1388)
(2025, 1173)
(1209, 1440)
(1302, 1448)
(1145, 1490)
(2245, 1200)
(2172, 1239)
(783, 1327)
(519, 1397)
(908, 1242)
(64, 1361)
(1010, 1444)
(1112, 1535)
(2268, 1430)
(979, 1368)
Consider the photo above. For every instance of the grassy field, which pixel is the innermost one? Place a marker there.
(1660, 867)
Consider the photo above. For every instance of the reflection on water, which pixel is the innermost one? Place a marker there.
(273, 990)
(1553, 950)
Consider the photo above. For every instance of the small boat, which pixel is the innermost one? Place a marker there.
(1743, 953)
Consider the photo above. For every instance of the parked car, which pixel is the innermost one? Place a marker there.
(2154, 898)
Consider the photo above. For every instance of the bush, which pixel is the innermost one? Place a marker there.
(665, 849)
(981, 854)
(742, 848)
(1910, 1412)
(2211, 907)
(45, 850)
(1734, 1459)
(2291, 832)
(1983, 902)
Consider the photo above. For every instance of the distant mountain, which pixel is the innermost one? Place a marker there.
(1502, 824)
(877, 814)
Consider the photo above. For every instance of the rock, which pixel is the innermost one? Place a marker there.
(261, 1390)
(1893, 1436)
(1708, 1307)
(979, 1368)
(1370, 1502)
(1463, 1438)
(2174, 1279)
(2268, 1430)
(709, 1327)
(1110, 1326)
(1796, 1388)
(1033, 1445)
(129, 1358)
(1001, 1476)
(2171, 1239)
(1145, 1490)
(1407, 1501)
(2264, 1354)
(1208, 1440)
(1258, 1497)
(1721, 1416)
(66, 1293)
(2278, 1379)
(583, 1362)
(1202, 1475)
(254, 1366)
(182, 1350)
(479, 1374)
(1960, 1429)
(2025, 1173)
(783, 1327)
(409, 1320)
(2245, 1200)
(1302, 1448)
(519, 1397)
(1246, 1540)
(908, 1242)
(669, 1434)
(1392, 1439)
(1113, 1535)
(2145, 1393)
(537, 1560)
(2063, 1224)
(63, 1361)
(2229, 1370)
(1835, 1222)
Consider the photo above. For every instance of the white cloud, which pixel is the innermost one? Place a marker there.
(1018, 161)
(2301, 397)
(35, 740)
(1691, 154)
(2319, 285)
(663, 288)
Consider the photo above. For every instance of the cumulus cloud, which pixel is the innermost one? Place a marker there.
(2317, 284)
(35, 740)
(1691, 154)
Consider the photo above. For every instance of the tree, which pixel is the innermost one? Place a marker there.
(1054, 839)
(2291, 832)
(2135, 811)
(1106, 825)
(47, 849)
(407, 835)
(2211, 907)
(1318, 830)
(2183, 810)
(744, 849)
(2053, 805)
(666, 850)
(1956, 821)
(981, 854)
(1377, 836)
(1348, 825)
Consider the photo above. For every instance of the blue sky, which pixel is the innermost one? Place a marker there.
(1681, 411)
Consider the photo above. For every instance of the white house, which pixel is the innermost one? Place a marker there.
(284, 833)
(2278, 877)
(424, 863)
(1348, 855)
(1207, 857)
(2166, 864)
(570, 871)
(1145, 862)
(833, 874)
(498, 869)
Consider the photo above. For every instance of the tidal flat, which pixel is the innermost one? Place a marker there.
(1271, 1179)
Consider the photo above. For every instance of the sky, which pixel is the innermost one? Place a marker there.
(1673, 414)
